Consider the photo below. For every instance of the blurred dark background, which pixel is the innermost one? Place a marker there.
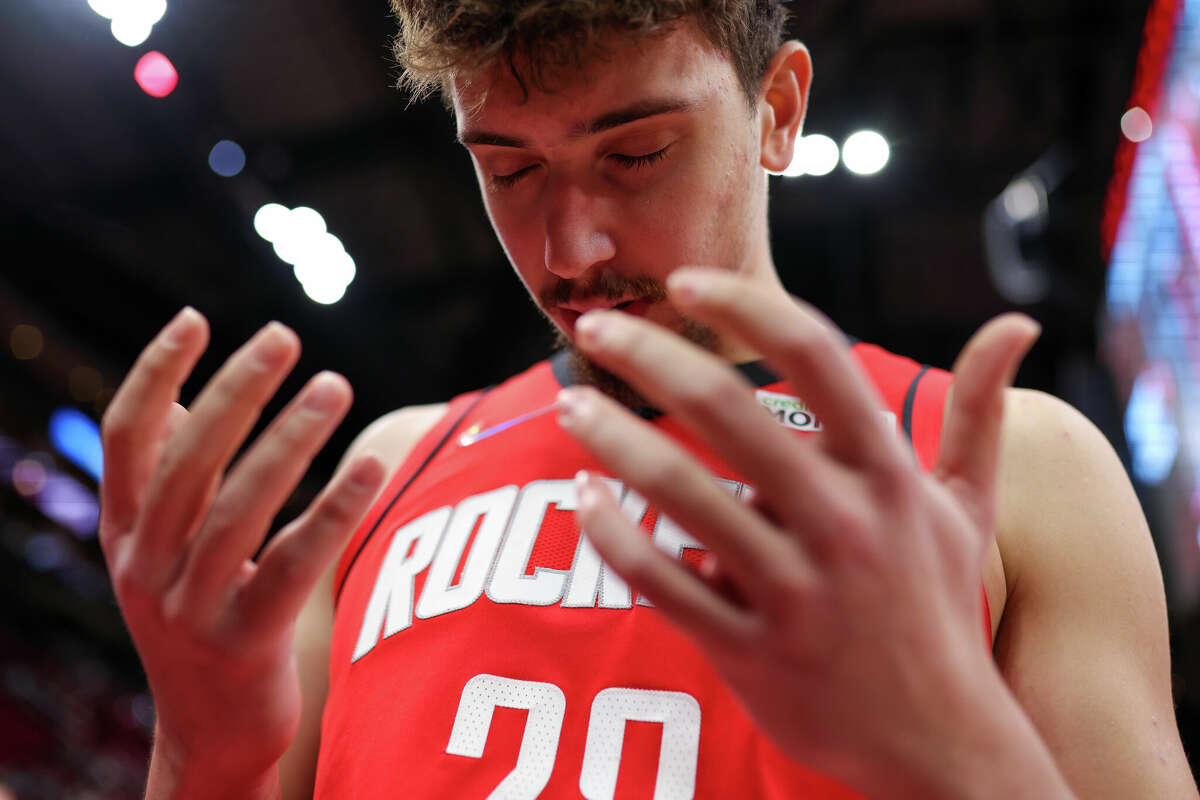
(111, 219)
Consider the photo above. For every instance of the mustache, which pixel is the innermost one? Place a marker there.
(606, 286)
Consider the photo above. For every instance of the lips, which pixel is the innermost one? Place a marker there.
(569, 314)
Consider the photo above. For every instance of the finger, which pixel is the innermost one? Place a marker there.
(714, 401)
(300, 553)
(261, 482)
(970, 447)
(176, 416)
(133, 424)
(749, 548)
(672, 587)
(220, 419)
(804, 347)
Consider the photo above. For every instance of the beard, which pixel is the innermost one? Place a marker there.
(614, 287)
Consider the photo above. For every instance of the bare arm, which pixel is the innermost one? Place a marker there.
(1083, 640)
(390, 439)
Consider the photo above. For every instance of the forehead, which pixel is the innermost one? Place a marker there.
(677, 63)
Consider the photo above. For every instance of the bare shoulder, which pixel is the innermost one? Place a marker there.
(391, 437)
(1083, 638)
(1058, 475)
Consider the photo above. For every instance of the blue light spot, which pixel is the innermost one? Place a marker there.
(1150, 428)
(227, 158)
(77, 437)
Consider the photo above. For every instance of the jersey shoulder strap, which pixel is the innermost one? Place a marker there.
(520, 392)
(418, 458)
(916, 391)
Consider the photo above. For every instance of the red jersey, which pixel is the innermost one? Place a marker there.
(481, 648)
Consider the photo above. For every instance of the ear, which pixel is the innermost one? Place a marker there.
(783, 102)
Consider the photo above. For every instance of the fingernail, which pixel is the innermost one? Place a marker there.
(591, 327)
(573, 405)
(272, 346)
(324, 394)
(583, 490)
(180, 325)
(687, 284)
(366, 472)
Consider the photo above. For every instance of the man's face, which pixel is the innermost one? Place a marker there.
(644, 161)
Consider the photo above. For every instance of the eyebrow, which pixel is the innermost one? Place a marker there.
(640, 110)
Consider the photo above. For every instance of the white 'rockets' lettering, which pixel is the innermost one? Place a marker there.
(489, 511)
(592, 584)
(393, 592)
(509, 582)
(506, 522)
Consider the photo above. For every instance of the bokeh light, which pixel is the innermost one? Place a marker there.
(815, 154)
(26, 342)
(46, 551)
(1137, 125)
(155, 73)
(866, 153)
(69, 503)
(77, 437)
(300, 237)
(132, 20)
(131, 31)
(271, 220)
(1025, 199)
(28, 477)
(227, 158)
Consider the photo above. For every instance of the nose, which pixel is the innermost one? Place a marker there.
(576, 235)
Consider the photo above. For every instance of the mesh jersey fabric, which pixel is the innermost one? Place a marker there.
(481, 649)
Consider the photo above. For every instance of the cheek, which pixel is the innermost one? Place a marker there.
(521, 243)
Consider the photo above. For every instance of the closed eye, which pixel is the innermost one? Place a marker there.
(628, 162)
(505, 181)
(636, 162)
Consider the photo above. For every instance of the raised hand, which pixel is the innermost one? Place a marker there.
(213, 627)
(851, 632)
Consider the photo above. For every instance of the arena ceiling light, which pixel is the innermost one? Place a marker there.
(132, 20)
(319, 259)
(815, 154)
(866, 153)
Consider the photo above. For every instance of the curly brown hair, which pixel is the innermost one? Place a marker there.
(441, 38)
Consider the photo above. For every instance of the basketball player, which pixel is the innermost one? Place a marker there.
(824, 573)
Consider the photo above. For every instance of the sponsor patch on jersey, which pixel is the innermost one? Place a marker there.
(791, 412)
(788, 411)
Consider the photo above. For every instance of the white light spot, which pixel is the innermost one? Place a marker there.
(131, 31)
(816, 154)
(147, 11)
(271, 220)
(307, 220)
(318, 258)
(322, 289)
(106, 8)
(1025, 199)
(866, 153)
(1137, 125)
